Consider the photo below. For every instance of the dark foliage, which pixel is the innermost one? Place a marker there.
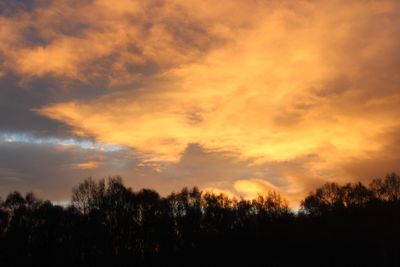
(109, 224)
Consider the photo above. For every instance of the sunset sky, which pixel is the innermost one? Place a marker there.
(234, 96)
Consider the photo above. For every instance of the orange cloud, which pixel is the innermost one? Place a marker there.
(88, 165)
(261, 95)
(269, 81)
(216, 191)
(96, 39)
(252, 188)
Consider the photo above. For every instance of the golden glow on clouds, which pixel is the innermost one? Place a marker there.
(258, 94)
(217, 191)
(252, 188)
(86, 165)
(268, 80)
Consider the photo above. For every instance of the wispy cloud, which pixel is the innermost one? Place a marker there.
(88, 165)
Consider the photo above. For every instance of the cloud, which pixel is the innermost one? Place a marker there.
(252, 188)
(291, 93)
(86, 165)
(50, 167)
(267, 94)
(88, 40)
(216, 191)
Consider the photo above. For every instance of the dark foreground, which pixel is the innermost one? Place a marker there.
(109, 224)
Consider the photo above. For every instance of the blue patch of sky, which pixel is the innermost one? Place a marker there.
(27, 138)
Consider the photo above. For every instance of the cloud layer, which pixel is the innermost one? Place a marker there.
(305, 91)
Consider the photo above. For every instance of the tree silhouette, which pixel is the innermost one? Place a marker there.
(387, 189)
(110, 224)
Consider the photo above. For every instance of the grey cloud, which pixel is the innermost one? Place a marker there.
(13, 7)
(18, 99)
(47, 169)
(377, 163)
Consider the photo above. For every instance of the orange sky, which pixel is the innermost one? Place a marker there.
(286, 94)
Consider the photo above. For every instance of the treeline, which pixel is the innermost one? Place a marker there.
(110, 224)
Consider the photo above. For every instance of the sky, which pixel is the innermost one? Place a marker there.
(240, 97)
